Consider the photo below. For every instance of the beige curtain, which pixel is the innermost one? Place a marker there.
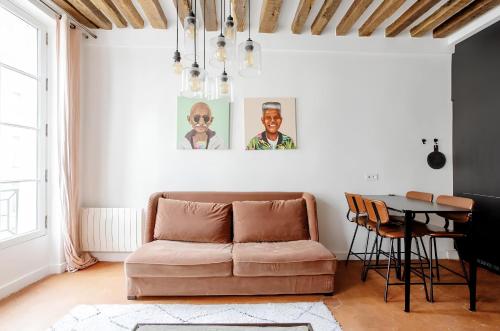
(68, 140)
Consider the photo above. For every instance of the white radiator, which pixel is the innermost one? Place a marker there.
(111, 229)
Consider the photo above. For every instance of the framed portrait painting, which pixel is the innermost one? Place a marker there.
(270, 124)
(202, 124)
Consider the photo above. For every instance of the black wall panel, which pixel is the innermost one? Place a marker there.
(476, 135)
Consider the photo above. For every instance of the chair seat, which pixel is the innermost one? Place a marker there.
(438, 231)
(165, 258)
(396, 230)
(362, 220)
(288, 258)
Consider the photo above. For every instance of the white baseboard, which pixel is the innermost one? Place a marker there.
(451, 254)
(111, 256)
(23, 281)
(58, 268)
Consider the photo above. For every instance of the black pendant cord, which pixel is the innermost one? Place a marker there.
(177, 28)
(204, 36)
(195, 18)
(249, 19)
(221, 8)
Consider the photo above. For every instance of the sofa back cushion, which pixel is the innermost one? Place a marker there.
(193, 221)
(277, 220)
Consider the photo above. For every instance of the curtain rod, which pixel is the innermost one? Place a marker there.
(74, 23)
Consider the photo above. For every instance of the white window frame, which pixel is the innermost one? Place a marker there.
(42, 139)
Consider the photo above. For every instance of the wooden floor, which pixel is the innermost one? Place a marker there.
(356, 305)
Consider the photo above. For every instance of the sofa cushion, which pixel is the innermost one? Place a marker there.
(193, 221)
(290, 258)
(264, 221)
(164, 258)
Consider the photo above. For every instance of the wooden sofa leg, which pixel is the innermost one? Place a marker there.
(329, 294)
(131, 297)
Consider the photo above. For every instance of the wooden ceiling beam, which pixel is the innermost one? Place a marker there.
(108, 8)
(357, 8)
(269, 15)
(324, 16)
(239, 8)
(153, 11)
(75, 13)
(184, 9)
(383, 12)
(210, 18)
(408, 17)
(466, 15)
(128, 10)
(303, 10)
(87, 8)
(444, 12)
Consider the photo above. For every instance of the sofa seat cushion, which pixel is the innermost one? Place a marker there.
(289, 258)
(165, 258)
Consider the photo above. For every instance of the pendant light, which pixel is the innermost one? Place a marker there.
(224, 86)
(209, 92)
(191, 24)
(177, 66)
(230, 28)
(193, 78)
(249, 55)
(221, 49)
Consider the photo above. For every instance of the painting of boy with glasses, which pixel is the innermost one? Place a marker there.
(201, 134)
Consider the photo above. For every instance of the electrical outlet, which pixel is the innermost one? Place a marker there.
(371, 177)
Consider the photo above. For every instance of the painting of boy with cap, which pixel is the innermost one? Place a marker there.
(271, 138)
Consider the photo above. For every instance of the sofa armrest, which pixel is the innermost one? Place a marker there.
(312, 215)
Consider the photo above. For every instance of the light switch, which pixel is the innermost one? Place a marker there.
(371, 177)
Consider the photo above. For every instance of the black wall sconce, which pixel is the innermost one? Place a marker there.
(435, 159)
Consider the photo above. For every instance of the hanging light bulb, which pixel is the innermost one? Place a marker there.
(177, 66)
(249, 55)
(193, 78)
(221, 49)
(224, 86)
(230, 28)
(189, 26)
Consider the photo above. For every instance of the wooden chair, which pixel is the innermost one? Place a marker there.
(357, 207)
(380, 220)
(436, 232)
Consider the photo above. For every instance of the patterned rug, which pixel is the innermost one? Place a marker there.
(125, 317)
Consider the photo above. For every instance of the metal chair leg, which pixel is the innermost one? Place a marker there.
(352, 242)
(377, 257)
(422, 270)
(430, 269)
(387, 276)
(366, 252)
(436, 257)
(365, 271)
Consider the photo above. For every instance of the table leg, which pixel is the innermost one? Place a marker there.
(398, 269)
(472, 268)
(407, 273)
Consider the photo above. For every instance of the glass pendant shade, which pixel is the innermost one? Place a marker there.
(224, 87)
(191, 27)
(221, 52)
(193, 82)
(177, 65)
(230, 30)
(249, 58)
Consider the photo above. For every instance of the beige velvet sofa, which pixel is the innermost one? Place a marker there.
(178, 268)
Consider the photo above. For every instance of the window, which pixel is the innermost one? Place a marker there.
(22, 126)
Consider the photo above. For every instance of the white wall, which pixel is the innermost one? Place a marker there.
(358, 112)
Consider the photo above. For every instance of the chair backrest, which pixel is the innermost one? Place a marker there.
(355, 203)
(423, 196)
(377, 211)
(459, 202)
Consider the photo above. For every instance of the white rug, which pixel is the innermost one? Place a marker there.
(125, 317)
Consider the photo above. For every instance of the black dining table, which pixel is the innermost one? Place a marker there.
(411, 207)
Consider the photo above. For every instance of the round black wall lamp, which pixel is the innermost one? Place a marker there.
(436, 159)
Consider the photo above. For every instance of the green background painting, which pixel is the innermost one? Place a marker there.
(220, 112)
